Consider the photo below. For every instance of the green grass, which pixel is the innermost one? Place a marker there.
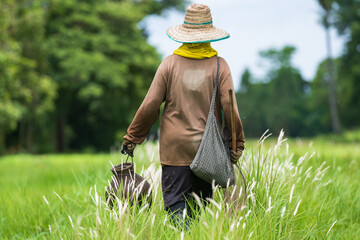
(62, 196)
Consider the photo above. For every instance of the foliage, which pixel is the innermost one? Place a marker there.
(251, 105)
(73, 73)
(283, 100)
(319, 115)
(293, 194)
(103, 66)
(279, 101)
(348, 24)
(89, 60)
(26, 93)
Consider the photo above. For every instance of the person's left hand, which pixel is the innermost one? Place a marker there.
(235, 156)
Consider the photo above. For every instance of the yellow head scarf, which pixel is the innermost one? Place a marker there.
(196, 50)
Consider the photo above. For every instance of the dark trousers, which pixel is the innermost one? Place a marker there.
(178, 184)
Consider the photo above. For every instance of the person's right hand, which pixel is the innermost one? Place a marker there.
(235, 156)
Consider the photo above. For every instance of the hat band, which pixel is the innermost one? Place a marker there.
(205, 23)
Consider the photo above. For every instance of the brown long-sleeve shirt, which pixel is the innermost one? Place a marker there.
(186, 86)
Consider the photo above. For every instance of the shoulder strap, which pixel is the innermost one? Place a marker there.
(212, 105)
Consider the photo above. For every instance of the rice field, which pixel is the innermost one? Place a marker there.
(297, 189)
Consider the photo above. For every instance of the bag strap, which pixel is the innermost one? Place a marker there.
(212, 105)
(244, 181)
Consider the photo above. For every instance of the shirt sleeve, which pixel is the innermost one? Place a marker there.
(225, 83)
(149, 110)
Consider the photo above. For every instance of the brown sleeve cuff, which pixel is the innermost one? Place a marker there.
(126, 142)
(130, 139)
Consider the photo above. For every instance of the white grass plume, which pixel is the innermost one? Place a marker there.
(46, 201)
(331, 228)
(297, 207)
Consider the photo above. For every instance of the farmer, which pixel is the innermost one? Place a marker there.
(185, 82)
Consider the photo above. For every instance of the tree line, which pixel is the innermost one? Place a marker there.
(285, 100)
(73, 73)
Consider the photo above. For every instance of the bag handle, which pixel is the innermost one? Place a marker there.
(132, 159)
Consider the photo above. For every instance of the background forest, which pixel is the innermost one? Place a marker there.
(73, 73)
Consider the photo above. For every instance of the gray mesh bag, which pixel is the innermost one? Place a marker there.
(212, 160)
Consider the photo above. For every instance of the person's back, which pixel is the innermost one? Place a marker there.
(189, 85)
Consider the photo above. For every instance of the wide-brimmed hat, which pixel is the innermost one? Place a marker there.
(197, 27)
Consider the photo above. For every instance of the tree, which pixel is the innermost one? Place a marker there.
(320, 115)
(89, 55)
(103, 65)
(326, 16)
(251, 104)
(277, 102)
(286, 93)
(245, 81)
(26, 94)
(347, 22)
(11, 109)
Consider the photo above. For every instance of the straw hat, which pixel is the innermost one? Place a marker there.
(197, 27)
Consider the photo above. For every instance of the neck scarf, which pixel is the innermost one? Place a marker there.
(196, 50)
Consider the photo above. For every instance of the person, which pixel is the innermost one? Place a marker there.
(185, 81)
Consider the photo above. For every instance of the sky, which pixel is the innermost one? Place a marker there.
(256, 25)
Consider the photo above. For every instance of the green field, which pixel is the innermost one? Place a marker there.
(298, 189)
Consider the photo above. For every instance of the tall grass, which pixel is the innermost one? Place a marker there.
(296, 190)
